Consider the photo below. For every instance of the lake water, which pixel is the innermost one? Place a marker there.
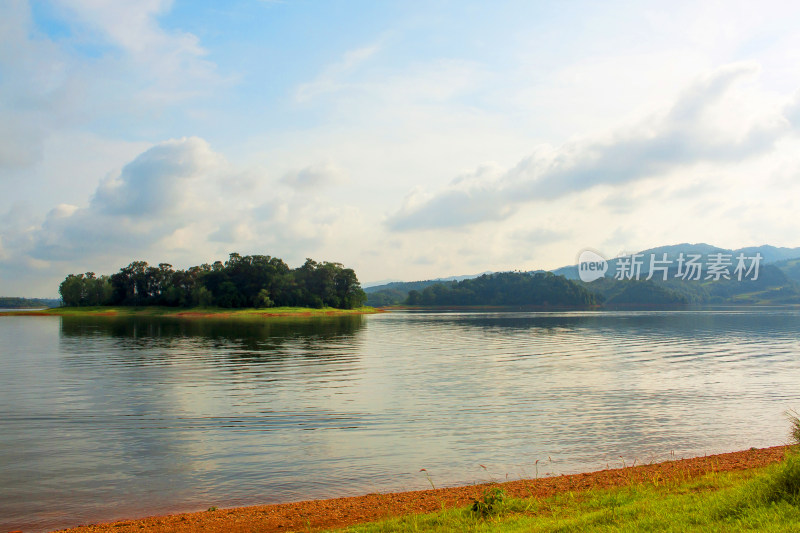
(115, 418)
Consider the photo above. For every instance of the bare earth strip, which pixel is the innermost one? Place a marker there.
(340, 512)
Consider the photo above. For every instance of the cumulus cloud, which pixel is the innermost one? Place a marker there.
(155, 182)
(149, 199)
(684, 136)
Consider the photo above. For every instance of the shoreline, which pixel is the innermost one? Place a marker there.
(341, 512)
(193, 312)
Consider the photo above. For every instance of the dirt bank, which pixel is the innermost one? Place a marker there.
(339, 512)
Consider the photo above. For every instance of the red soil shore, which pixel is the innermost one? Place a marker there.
(340, 512)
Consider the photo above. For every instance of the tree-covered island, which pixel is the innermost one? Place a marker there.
(251, 281)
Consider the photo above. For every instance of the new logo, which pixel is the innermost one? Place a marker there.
(591, 266)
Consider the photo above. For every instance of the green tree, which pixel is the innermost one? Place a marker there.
(202, 297)
(71, 290)
(263, 299)
(242, 281)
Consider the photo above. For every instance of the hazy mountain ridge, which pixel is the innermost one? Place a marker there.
(769, 254)
(777, 282)
(790, 267)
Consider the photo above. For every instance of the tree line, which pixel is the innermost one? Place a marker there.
(13, 302)
(242, 281)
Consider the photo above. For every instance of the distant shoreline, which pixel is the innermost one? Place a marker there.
(193, 312)
(299, 312)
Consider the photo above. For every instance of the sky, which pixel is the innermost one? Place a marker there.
(407, 140)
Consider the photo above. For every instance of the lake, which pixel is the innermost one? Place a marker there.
(104, 418)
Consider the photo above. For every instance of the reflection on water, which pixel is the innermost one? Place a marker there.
(105, 418)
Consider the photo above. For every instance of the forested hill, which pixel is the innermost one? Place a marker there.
(773, 287)
(505, 289)
(396, 292)
(242, 281)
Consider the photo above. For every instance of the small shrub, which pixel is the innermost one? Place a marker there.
(780, 484)
(784, 484)
(491, 503)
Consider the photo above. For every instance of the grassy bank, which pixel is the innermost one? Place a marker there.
(764, 499)
(723, 498)
(194, 313)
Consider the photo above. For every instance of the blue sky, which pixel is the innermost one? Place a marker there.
(407, 140)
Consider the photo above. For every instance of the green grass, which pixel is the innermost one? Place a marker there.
(195, 312)
(765, 499)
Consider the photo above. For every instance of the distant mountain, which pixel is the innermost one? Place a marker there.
(769, 254)
(379, 283)
(772, 287)
(790, 267)
(776, 283)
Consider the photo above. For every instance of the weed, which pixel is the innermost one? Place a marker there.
(780, 485)
(490, 504)
(491, 477)
(794, 420)
(784, 484)
(429, 478)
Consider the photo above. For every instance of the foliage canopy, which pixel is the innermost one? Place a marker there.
(242, 281)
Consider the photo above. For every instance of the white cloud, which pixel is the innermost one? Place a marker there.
(685, 136)
(47, 87)
(156, 182)
(792, 111)
(334, 77)
(172, 62)
(130, 25)
(37, 88)
(150, 198)
(315, 176)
